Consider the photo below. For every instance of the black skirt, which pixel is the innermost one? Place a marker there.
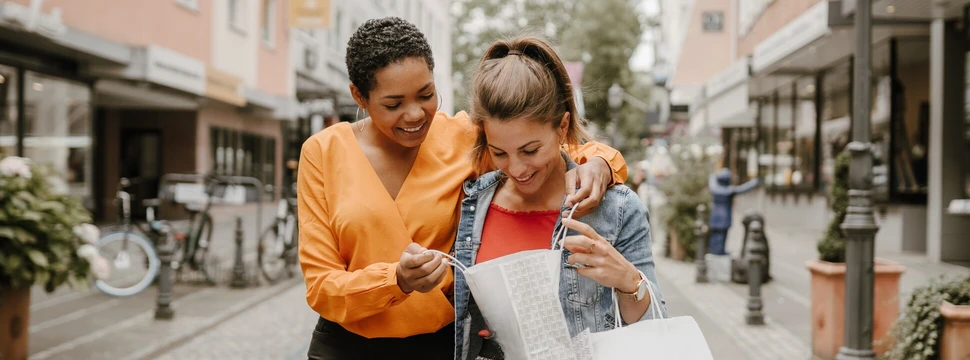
(332, 342)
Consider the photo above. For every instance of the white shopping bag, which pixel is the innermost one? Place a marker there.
(518, 296)
(658, 338)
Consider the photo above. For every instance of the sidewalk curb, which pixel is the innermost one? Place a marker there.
(172, 342)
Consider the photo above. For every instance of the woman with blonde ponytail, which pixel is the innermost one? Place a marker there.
(526, 120)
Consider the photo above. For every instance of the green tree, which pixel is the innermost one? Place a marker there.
(600, 33)
(478, 23)
(603, 36)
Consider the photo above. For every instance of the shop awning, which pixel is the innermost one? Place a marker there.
(698, 121)
(816, 40)
(47, 31)
(726, 97)
(808, 27)
(908, 9)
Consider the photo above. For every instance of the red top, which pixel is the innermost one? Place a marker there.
(507, 232)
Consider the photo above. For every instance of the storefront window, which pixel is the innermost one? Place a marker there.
(784, 139)
(236, 153)
(743, 154)
(766, 158)
(58, 129)
(803, 175)
(966, 134)
(879, 114)
(910, 118)
(8, 111)
(836, 95)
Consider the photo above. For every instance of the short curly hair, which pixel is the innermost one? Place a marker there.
(380, 42)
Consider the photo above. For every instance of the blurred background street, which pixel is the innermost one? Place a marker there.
(773, 91)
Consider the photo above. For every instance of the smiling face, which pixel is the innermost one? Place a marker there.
(403, 102)
(528, 151)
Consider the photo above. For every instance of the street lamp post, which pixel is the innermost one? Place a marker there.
(615, 101)
(860, 226)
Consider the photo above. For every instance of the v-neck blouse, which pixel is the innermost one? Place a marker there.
(352, 233)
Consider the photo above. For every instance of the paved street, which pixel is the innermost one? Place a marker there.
(86, 324)
(273, 322)
(719, 308)
(279, 328)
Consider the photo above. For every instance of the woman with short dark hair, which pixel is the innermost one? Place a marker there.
(375, 195)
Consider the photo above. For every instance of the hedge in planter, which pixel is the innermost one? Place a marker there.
(917, 332)
(685, 188)
(44, 238)
(832, 246)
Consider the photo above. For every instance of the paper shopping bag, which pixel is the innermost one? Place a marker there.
(518, 296)
(673, 338)
(657, 338)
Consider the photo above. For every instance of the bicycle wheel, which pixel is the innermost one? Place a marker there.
(270, 254)
(134, 264)
(201, 258)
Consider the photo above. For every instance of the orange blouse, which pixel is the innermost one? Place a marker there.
(352, 233)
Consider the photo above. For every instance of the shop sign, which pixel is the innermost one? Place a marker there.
(310, 14)
(224, 87)
(169, 68)
(317, 106)
(808, 27)
(735, 74)
(33, 19)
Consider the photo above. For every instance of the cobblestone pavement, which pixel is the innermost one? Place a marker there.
(278, 328)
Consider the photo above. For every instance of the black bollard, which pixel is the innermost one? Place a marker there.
(238, 268)
(700, 233)
(756, 261)
(166, 253)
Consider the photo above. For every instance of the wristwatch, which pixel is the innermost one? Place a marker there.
(639, 294)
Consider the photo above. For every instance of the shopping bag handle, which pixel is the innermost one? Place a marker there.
(561, 233)
(654, 304)
(451, 260)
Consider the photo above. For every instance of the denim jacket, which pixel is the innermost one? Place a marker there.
(620, 218)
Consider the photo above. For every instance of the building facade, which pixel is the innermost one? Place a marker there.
(783, 109)
(105, 89)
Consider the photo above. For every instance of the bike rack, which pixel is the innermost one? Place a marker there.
(168, 180)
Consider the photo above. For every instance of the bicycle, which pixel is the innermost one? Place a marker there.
(191, 249)
(278, 243)
(126, 277)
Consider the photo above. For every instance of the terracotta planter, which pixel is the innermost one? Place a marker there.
(14, 323)
(956, 331)
(677, 251)
(828, 305)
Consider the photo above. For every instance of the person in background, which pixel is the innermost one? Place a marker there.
(375, 195)
(723, 193)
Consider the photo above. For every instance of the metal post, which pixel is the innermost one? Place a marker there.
(860, 226)
(166, 253)
(756, 268)
(700, 232)
(238, 268)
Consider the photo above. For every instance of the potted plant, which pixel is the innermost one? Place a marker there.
(685, 188)
(935, 324)
(828, 279)
(45, 240)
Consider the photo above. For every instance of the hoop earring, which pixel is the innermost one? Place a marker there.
(440, 102)
(360, 124)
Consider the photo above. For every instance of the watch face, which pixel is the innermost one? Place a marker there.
(641, 290)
